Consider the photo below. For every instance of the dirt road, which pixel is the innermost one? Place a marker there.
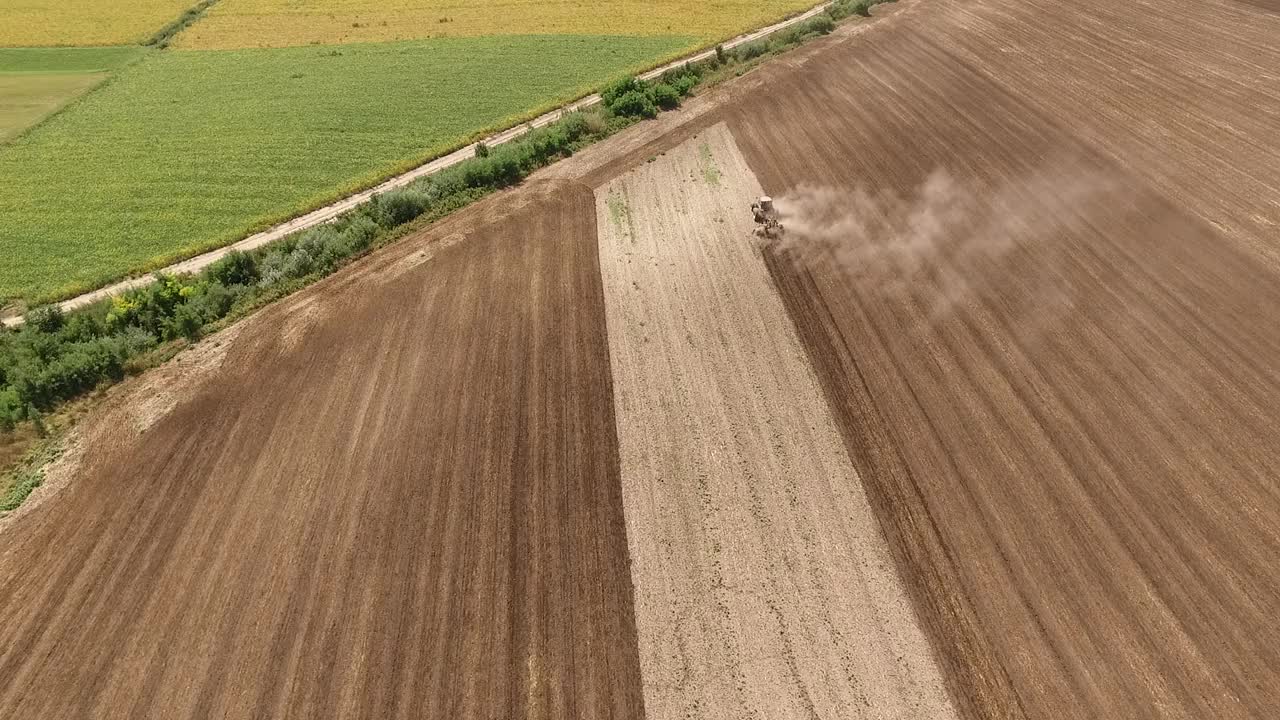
(763, 586)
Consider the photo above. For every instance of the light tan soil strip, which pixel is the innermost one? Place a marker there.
(763, 587)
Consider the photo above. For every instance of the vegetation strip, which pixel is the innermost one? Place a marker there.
(750, 45)
(161, 39)
(66, 60)
(57, 356)
(237, 24)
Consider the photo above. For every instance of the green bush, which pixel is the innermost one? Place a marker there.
(613, 92)
(634, 104)
(83, 325)
(10, 408)
(47, 319)
(819, 24)
(357, 233)
(497, 170)
(289, 263)
(75, 368)
(148, 307)
(687, 70)
(685, 84)
(236, 268)
(842, 9)
(187, 322)
(666, 97)
(399, 206)
(212, 302)
(752, 50)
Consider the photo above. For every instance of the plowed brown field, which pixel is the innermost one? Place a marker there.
(1033, 264)
(1030, 257)
(397, 498)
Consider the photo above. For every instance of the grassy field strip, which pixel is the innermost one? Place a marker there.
(66, 60)
(284, 23)
(329, 212)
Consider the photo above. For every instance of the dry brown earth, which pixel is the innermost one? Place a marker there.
(763, 586)
(1032, 259)
(396, 496)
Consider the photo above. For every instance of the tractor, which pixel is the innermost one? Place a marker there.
(766, 217)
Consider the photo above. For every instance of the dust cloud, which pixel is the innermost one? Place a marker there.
(948, 243)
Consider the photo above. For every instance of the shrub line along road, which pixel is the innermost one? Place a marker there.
(332, 211)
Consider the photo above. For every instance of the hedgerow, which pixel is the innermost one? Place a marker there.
(841, 9)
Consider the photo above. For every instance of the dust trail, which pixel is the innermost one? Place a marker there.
(950, 242)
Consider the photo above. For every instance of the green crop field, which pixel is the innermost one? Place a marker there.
(280, 23)
(28, 23)
(118, 160)
(26, 98)
(187, 150)
(35, 82)
(66, 60)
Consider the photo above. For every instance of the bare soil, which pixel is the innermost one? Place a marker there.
(394, 496)
(1032, 259)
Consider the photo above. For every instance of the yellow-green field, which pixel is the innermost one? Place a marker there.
(281, 23)
(257, 110)
(187, 150)
(35, 82)
(45, 23)
(28, 97)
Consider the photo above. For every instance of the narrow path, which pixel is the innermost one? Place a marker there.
(332, 211)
